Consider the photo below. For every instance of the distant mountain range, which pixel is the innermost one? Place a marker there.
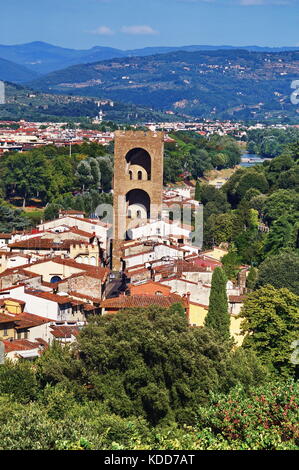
(42, 58)
(224, 84)
(13, 72)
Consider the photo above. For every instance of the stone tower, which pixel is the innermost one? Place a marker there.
(138, 183)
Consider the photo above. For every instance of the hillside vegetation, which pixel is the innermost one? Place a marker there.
(25, 103)
(216, 84)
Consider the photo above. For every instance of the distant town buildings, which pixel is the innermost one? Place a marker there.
(36, 134)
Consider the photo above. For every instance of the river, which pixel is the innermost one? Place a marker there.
(250, 159)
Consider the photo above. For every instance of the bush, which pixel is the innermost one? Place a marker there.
(18, 380)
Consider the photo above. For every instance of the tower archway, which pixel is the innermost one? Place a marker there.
(138, 204)
(139, 164)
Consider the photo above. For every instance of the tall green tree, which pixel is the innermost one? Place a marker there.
(271, 322)
(218, 317)
(197, 191)
(280, 271)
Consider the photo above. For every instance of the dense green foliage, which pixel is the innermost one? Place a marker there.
(145, 380)
(47, 173)
(263, 418)
(12, 219)
(191, 155)
(280, 271)
(148, 363)
(256, 210)
(271, 142)
(271, 317)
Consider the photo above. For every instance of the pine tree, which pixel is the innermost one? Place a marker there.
(198, 191)
(218, 317)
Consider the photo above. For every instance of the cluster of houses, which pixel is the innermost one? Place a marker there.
(55, 277)
(30, 135)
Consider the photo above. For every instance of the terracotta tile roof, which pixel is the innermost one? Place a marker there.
(89, 307)
(93, 271)
(64, 331)
(6, 318)
(125, 301)
(29, 320)
(6, 236)
(19, 270)
(81, 232)
(180, 266)
(147, 283)
(45, 244)
(42, 342)
(59, 299)
(96, 273)
(19, 345)
(74, 230)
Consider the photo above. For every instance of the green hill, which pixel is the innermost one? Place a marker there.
(24, 103)
(222, 84)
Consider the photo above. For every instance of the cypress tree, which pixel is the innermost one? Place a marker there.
(197, 191)
(218, 317)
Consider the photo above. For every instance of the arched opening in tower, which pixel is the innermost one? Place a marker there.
(139, 164)
(138, 204)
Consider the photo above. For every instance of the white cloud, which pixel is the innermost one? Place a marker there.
(103, 30)
(138, 29)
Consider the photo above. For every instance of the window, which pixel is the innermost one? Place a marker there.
(138, 214)
(131, 174)
(5, 333)
(140, 175)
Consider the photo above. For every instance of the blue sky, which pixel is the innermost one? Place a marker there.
(128, 24)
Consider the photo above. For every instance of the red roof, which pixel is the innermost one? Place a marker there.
(64, 331)
(38, 243)
(29, 320)
(20, 345)
(59, 299)
(5, 236)
(125, 301)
